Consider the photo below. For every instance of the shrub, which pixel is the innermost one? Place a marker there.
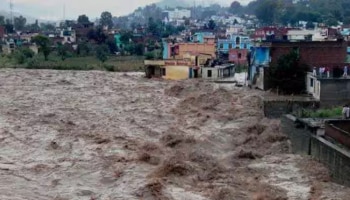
(109, 68)
(149, 55)
(21, 55)
(32, 63)
(322, 113)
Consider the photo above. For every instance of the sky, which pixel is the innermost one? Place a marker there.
(71, 9)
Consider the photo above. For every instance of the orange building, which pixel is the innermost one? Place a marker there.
(179, 50)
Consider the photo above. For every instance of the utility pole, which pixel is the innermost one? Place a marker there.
(11, 11)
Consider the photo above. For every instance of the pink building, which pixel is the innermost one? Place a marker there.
(238, 56)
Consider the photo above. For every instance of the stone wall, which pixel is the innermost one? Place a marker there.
(279, 107)
(304, 139)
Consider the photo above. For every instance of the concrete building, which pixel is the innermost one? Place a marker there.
(218, 72)
(203, 37)
(9, 46)
(176, 14)
(179, 50)
(329, 91)
(331, 54)
(233, 42)
(2, 33)
(171, 69)
(238, 56)
(68, 36)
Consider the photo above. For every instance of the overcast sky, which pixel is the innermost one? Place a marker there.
(54, 9)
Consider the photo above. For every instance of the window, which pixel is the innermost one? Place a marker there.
(230, 46)
(238, 40)
(311, 82)
(163, 70)
(209, 73)
(245, 46)
(221, 46)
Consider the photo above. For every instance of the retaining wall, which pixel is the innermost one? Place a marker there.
(305, 141)
(278, 108)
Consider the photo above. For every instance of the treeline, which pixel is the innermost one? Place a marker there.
(285, 12)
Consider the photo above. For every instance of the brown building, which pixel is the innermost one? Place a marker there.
(2, 32)
(238, 56)
(328, 54)
(314, 54)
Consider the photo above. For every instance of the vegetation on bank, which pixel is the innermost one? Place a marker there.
(54, 61)
(323, 113)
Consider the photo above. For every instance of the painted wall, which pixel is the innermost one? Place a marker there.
(166, 50)
(261, 56)
(313, 86)
(177, 72)
(199, 37)
(224, 45)
(196, 48)
(214, 73)
(238, 56)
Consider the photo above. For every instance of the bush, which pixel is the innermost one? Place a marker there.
(288, 76)
(109, 68)
(21, 55)
(102, 53)
(149, 55)
(322, 113)
(32, 63)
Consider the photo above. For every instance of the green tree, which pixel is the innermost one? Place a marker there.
(106, 19)
(98, 35)
(2, 20)
(44, 45)
(9, 26)
(22, 54)
(83, 19)
(288, 76)
(62, 51)
(47, 27)
(33, 27)
(112, 46)
(267, 11)
(211, 25)
(20, 23)
(236, 7)
(84, 48)
(102, 53)
(310, 25)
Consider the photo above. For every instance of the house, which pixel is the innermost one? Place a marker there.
(270, 33)
(171, 69)
(176, 14)
(330, 91)
(330, 54)
(218, 72)
(2, 32)
(236, 29)
(68, 36)
(233, 42)
(9, 46)
(173, 50)
(82, 29)
(238, 56)
(203, 37)
(307, 35)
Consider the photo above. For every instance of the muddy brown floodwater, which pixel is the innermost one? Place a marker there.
(69, 135)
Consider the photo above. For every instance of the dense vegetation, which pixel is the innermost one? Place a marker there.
(285, 12)
(288, 76)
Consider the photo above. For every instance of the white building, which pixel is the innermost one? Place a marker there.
(177, 14)
(311, 35)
